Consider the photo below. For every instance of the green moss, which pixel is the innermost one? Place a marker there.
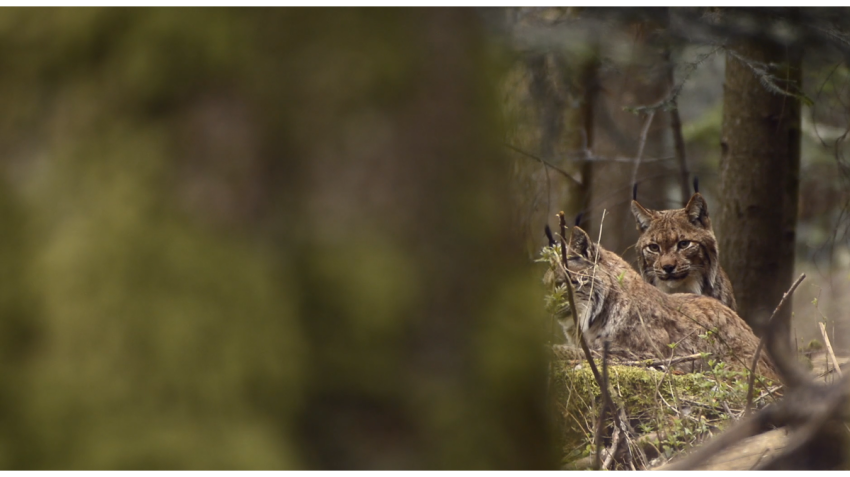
(677, 409)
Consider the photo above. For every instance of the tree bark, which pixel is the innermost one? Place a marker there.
(759, 170)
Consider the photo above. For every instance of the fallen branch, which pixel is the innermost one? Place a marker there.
(650, 363)
(814, 413)
(645, 363)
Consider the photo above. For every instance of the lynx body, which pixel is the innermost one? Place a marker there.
(615, 304)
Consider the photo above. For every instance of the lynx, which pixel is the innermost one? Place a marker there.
(677, 251)
(615, 304)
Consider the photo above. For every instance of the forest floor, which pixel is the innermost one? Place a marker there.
(749, 453)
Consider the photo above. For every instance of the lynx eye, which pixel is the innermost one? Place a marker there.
(684, 244)
(653, 247)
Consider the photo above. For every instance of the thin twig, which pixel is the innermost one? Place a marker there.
(753, 368)
(595, 263)
(829, 349)
(571, 299)
(615, 444)
(643, 133)
(545, 163)
(649, 363)
(599, 428)
(562, 224)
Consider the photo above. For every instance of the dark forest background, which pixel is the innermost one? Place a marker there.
(304, 238)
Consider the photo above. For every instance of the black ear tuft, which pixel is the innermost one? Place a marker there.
(582, 244)
(697, 211)
(634, 191)
(578, 219)
(549, 236)
(696, 184)
(643, 217)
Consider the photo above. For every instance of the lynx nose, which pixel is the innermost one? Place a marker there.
(668, 268)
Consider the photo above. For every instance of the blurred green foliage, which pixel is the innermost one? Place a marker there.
(259, 239)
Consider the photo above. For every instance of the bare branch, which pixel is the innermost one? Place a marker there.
(642, 143)
(747, 428)
(753, 368)
(545, 163)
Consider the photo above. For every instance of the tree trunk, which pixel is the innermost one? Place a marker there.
(418, 304)
(759, 172)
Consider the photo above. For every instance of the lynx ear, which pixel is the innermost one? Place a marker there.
(582, 244)
(697, 211)
(642, 216)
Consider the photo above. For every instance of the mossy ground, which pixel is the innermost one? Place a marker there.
(668, 412)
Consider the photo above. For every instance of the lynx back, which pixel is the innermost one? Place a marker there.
(613, 303)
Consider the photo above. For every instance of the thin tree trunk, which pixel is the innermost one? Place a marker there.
(678, 139)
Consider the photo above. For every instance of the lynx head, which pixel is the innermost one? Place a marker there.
(677, 250)
(591, 272)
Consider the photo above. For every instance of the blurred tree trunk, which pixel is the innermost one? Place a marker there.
(418, 305)
(759, 170)
(273, 238)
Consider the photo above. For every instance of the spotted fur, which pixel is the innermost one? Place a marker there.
(616, 305)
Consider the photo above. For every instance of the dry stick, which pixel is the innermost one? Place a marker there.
(562, 223)
(649, 116)
(598, 438)
(545, 163)
(571, 299)
(753, 368)
(829, 348)
(615, 443)
(648, 363)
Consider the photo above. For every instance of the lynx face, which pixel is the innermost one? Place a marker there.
(593, 274)
(677, 251)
